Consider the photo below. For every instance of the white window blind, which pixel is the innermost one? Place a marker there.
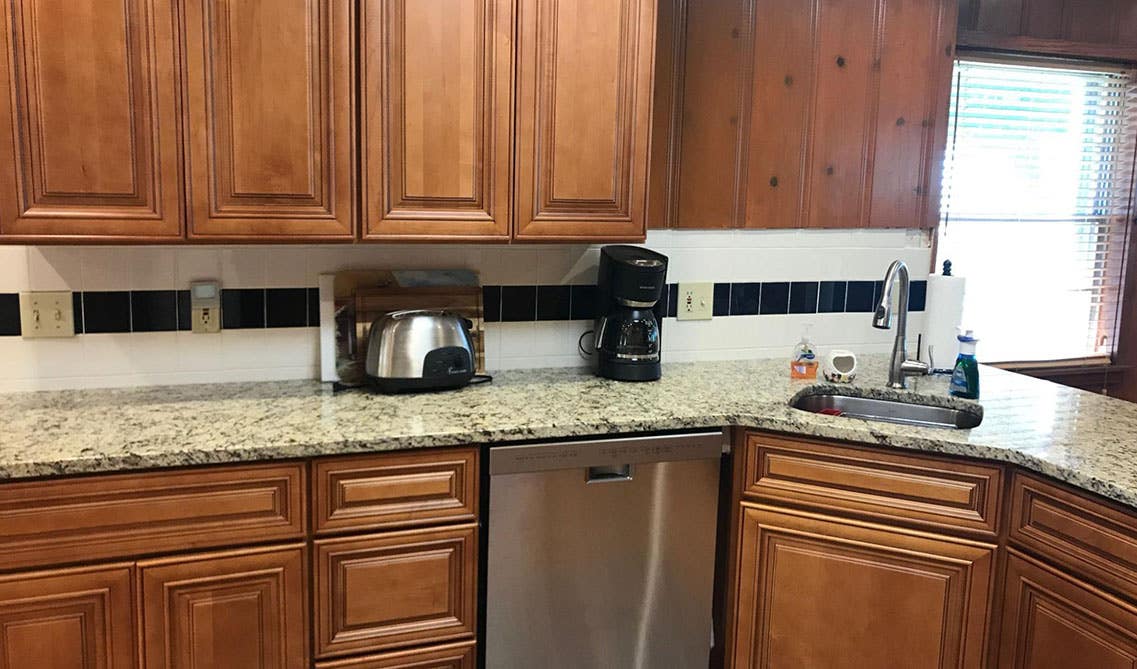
(1036, 205)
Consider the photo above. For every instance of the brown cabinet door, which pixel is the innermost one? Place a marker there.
(437, 98)
(238, 610)
(269, 97)
(911, 120)
(395, 589)
(584, 118)
(815, 592)
(67, 619)
(847, 112)
(89, 127)
(1054, 621)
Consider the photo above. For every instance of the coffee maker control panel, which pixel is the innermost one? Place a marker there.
(696, 302)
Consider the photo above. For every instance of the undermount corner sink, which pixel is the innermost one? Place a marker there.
(902, 412)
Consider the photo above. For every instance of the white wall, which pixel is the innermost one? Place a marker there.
(103, 360)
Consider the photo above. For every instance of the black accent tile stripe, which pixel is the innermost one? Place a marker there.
(518, 303)
(775, 298)
(722, 299)
(313, 307)
(153, 311)
(582, 304)
(491, 304)
(744, 298)
(286, 307)
(106, 312)
(253, 308)
(242, 308)
(831, 297)
(860, 297)
(554, 303)
(77, 311)
(9, 315)
(803, 297)
(183, 299)
(918, 296)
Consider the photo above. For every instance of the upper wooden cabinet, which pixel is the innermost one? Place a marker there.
(847, 99)
(437, 93)
(584, 114)
(823, 114)
(269, 98)
(90, 144)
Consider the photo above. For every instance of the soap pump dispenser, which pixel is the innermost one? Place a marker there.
(965, 375)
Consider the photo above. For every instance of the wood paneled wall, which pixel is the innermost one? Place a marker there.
(1088, 28)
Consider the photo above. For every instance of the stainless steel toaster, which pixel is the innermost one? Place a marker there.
(419, 350)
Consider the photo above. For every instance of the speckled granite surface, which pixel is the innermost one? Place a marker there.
(1078, 437)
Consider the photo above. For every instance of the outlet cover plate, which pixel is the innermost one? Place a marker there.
(696, 302)
(47, 314)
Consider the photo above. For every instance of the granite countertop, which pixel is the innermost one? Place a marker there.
(1075, 436)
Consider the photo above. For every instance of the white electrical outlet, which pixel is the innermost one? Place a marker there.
(696, 302)
(46, 315)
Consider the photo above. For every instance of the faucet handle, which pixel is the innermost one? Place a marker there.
(915, 368)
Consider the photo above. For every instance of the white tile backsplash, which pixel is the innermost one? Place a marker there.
(273, 354)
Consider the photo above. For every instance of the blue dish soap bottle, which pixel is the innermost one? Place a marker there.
(965, 375)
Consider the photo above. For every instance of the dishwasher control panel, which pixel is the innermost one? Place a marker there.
(605, 452)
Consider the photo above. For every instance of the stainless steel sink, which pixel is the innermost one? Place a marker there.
(890, 411)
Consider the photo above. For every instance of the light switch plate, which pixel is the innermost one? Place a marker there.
(47, 314)
(696, 302)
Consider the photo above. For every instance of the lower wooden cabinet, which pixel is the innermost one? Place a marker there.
(818, 592)
(68, 618)
(395, 589)
(449, 656)
(1052, 620)
(235, 610)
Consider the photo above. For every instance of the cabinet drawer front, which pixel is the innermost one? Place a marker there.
(396, 490)
(449, 656)
(1088, 536)
(66, 619)
(68, 520)
(910, 489)
(395, 589)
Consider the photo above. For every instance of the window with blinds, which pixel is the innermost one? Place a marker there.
(1036, 204)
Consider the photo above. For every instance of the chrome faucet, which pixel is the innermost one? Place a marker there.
(900, 367)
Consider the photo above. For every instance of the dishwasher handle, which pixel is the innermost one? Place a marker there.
(606, 454)
(602, 474)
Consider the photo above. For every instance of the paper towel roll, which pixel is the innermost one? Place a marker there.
(943, 313)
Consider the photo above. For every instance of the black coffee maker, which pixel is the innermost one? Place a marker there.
(631, 282)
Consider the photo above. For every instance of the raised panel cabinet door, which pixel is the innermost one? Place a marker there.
(437, 91)
(235, 610)
(815, 592)
(89, 129)
(67, 619)
(1054, 621)
(269, 98)
(911, 118)
(584, 118)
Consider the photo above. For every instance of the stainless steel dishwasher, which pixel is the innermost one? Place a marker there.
(601, 553)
